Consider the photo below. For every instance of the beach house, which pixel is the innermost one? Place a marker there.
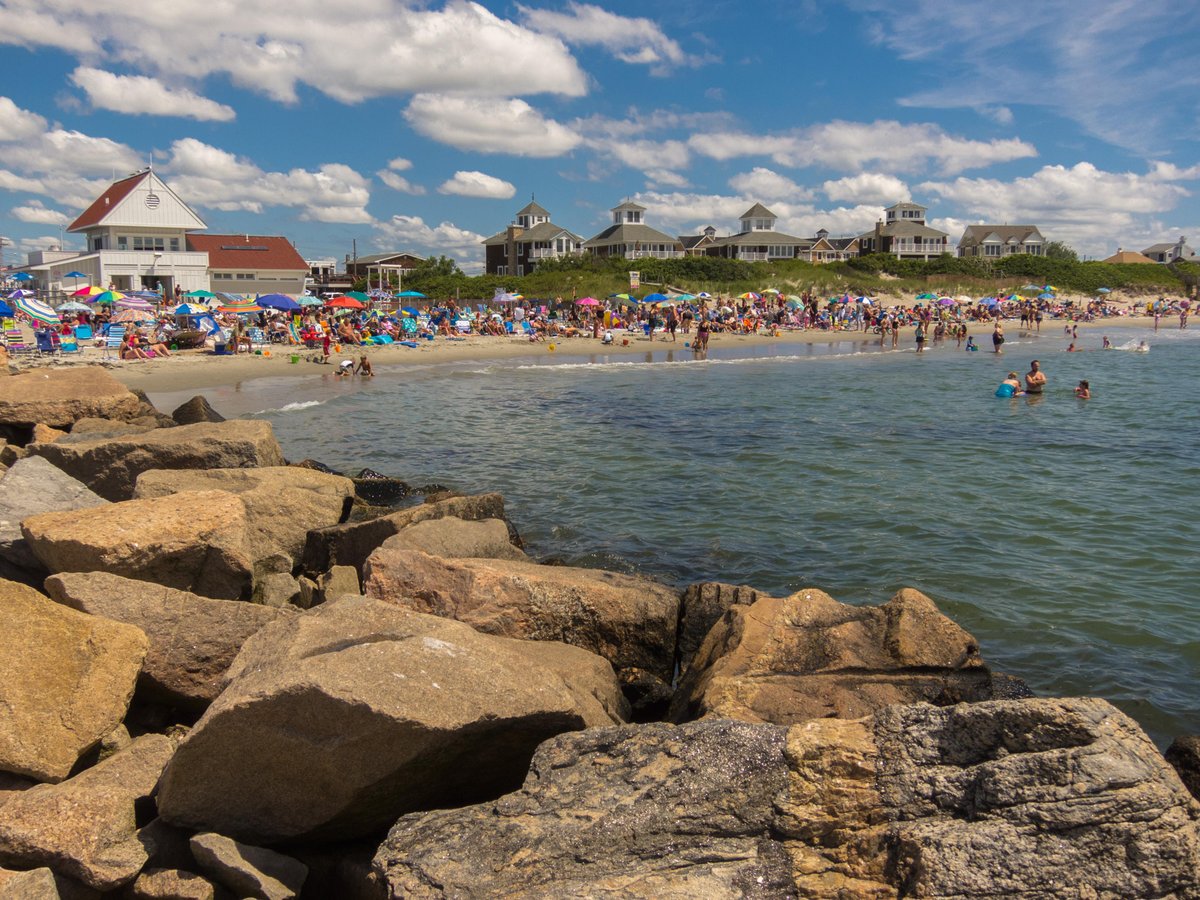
(758, 240)
(1168, 253)
(629, 236)
(995, 241)
(251, 263)
(531, 238)
(904, 234)
(826, 249)
(697, 244)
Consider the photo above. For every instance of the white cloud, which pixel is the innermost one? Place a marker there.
(638, 41)
(38, 214)
(351, 50)
(665, 178)
(211, 177)
(32, 244)
(645, 155)
(887, 145)
(399, 182)
(142, 95)
(17, 124)
(869, 187)
(466, 247)
(767, 185)
(477, 184)
(399, 164)
(1082, 204)
(489, 126)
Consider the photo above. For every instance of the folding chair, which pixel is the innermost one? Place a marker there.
(114, 337)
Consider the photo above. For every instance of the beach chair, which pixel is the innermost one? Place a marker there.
(257, 337)
(113, 338)
(408, 326)
(84, 333)
(14, 340)
(46, 345)
(462, 326)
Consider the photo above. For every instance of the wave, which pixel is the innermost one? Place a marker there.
(290, 407)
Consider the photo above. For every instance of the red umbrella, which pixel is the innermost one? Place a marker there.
(345, 303)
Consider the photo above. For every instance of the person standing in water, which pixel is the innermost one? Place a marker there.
(997, 337)
(1035, 379)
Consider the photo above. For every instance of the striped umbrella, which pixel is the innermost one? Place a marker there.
(127, 316)
(135, 303)
(36, 310)
(240, 307)
(108, 297)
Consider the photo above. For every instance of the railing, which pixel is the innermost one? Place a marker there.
(752, 255)
(154, 258)
(548, 253)
(656, 254)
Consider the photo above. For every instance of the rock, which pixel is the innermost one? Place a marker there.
(338, 581)
(34, 884)
(113, 742)
(590, 679)
(649, 696)
(193, 541)
(282, 502)
(376, 489)
(350, 544)
(10, 453)
(193, 640)
(108, 428)
(86, 827)
(195, 410)
(703, 605)
(58, 397)
(110, 466)
(11, 784)
(645, 811)
(629, 620)
(65, 681)
(171, 884)
(344, 871)
(455, 538)
(1033, 798)
(46, 434)
(277, 590)
(249, 871)
(389, 710)
(33, 486)
(1184, 755)
(807, 656)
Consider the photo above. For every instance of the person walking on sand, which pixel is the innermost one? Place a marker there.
(1035, 379)
(998, 337)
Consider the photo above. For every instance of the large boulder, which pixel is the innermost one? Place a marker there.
(86, 827)
(66, 679)
(350, 544)
(807, 656)
(193, 640)
(629, 620)
(249, 871)
(703, 605)
(282, 502)
(33, 486)
(339, 720)
(1184, 755)
(30, 884)
(456, 538)
(1035, 798)
(193, 541)
(110, 466)
(195, 410)
(58, 397)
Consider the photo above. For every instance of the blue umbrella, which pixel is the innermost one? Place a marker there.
(1046, 296)
(185, 309)
(278, 301)
(410, 294)
(654, 298)
(21, 276)
(410, 311)
(5, 309)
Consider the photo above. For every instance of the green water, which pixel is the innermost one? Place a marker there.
(1061, 533)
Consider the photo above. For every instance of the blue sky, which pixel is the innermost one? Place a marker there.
(426, 126)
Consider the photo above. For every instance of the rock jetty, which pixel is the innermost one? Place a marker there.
(223, 675)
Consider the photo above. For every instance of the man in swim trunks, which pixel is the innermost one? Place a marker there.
(1035, 379)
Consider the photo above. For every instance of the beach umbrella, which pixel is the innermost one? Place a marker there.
(345, 302)
(411, 311)
(705, 295)
(654, 298)
(309, 300)
(5, 309)
(38, 311)
(21, 276)
(927, 296)
(794, 303)
(411, 294)
(201, 295)
(587, 301)
(240, 307)
(771, 291)
(1103, 291)
(76, 276)
(129, 302)
(1031, 287)
(623, 299)
(90, 291)
(1049, 287)
(1046, 296)
(18, 293)
(126, 316)
(749, 295)
(359, 296)
(685, 298)
(278, 301)
(190, 309)
(108, 297)
(74, 306)
(152, 296)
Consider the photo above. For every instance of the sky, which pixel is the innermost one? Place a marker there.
(384, 125)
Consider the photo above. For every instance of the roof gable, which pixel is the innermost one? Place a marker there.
(532, 208)
(758, 211)
(142, 200)
(247, 251)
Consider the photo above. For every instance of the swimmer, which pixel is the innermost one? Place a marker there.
(1083, 391)
(1035, 379)
(1107, 345)
(1072, 348)
(364, 367)
(1010, 386)
(971, 345)
(1142, 347)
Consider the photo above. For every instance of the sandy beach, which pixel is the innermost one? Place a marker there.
(202, 369)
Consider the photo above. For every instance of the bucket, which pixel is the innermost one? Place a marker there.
(295, 357)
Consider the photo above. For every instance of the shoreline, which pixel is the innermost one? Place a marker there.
(202, 370)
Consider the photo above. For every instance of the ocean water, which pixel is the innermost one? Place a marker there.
(1062, 533)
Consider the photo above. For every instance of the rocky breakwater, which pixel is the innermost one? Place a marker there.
(197, 699)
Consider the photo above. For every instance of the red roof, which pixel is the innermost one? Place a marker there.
(247, 251)
(106, 202)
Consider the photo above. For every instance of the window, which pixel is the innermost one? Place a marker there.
(245, 276)
(222, 276)
(175, 244)
(122, 242)
(148, 243)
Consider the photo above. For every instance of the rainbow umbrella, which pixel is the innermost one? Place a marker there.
(90, 291)
(108, 297)
(38, 311)
(240, 307)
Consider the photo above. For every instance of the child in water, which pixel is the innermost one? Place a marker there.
(971, 345)
(1083, 391)
(1010, 386)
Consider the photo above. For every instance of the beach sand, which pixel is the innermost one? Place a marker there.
(202, 369)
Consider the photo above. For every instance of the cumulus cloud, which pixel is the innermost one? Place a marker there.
(767, 185)
(869, 187)
(632, 40)
(142, 95)
(17, 124)
(477, 184)
(274, 46)
(489, 126)
(35, 213)
(397, 182)
(466, 247)
(665, 178)
(214, 178)
(854, 146)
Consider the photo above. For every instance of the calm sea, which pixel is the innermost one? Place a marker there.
(1062, 533)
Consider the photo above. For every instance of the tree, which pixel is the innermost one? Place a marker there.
(1059, 250)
